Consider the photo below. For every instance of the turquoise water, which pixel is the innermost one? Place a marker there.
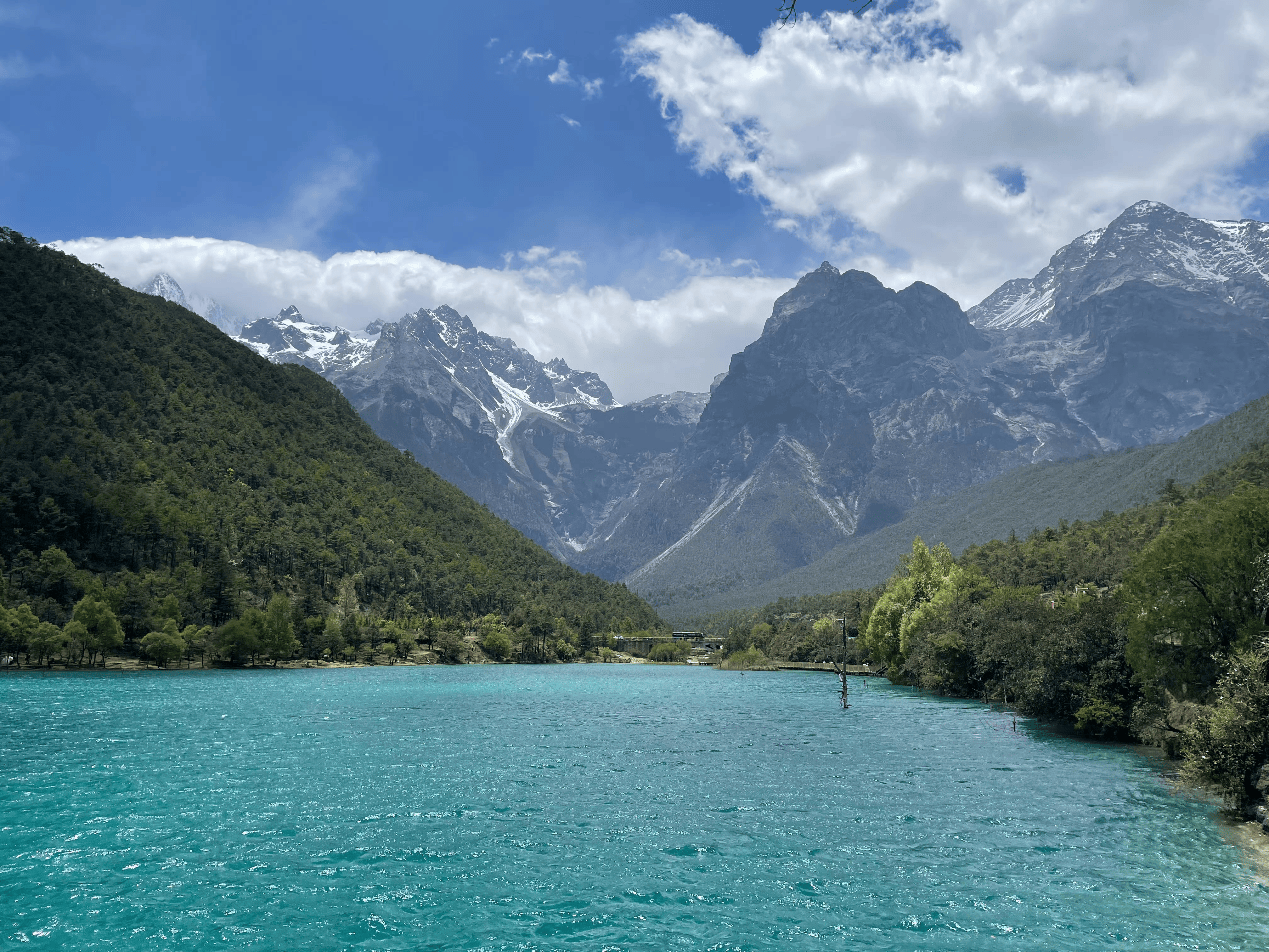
(618, 807)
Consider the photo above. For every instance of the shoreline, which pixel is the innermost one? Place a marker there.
(115, 663)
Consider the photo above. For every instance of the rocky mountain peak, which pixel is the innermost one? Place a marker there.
(288, 338)
(1148, 242)
(832, 316)
(164, 285)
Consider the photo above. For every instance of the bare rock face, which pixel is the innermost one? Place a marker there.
(856, 401)
(1149, 327)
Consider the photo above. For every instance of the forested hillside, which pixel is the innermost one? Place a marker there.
(153, 465)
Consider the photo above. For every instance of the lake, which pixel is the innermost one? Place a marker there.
(604, 807)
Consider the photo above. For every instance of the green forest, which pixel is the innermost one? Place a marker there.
(168, 494)
(1150, 624)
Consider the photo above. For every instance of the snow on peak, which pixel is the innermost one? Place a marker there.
(1147, 242)
(164, 285)
(288, 338)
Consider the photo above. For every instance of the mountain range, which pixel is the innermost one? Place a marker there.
(855, 404)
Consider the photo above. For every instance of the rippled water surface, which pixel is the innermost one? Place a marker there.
(616, 807)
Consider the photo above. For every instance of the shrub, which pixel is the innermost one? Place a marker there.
(749, 659)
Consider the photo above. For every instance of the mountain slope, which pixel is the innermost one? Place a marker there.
(543, 445)
(161, 454)
(1021, 501)
(856, 402)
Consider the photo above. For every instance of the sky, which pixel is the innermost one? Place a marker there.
(626, 184)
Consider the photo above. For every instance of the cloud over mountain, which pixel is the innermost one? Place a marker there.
(959, 140)
(679, 340)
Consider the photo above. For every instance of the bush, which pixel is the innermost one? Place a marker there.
(497, 644)
(750, 659)
(1227, 744)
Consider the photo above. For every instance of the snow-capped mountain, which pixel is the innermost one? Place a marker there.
(542, 445)
(164, 285)
(1228, 260)
(289, 339)
(855, 402)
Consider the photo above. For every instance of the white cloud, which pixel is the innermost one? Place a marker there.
(708, 266)
(529, 56)
(562, 75)
(640, 347)
(884, 145)
(573, 123)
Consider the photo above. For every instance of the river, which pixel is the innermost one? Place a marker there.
(598, 807)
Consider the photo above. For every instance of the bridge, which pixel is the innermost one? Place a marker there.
(641, 646)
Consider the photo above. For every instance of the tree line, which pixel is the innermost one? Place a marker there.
(1150, 624)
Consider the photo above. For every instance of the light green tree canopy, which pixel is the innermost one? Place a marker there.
(929, 582)
(98, 630)
(164, 645)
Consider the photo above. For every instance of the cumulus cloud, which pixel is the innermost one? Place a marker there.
(963, 141)
(677, 341)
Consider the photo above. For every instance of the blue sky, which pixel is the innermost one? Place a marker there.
(625, 184)
(336, 127)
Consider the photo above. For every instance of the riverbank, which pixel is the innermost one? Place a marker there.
(418, 658)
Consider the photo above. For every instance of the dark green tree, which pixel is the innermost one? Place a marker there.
(165, 645)
(1199, 592)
